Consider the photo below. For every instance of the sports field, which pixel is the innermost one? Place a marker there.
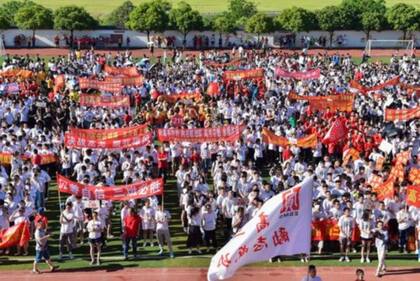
(102, 7)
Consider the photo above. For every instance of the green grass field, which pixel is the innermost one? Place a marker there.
(102, 7)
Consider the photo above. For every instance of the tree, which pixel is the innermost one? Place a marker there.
(372, 21)
(149, 16)
(73, 18)
(120, 15)
(353, 10)
(185, 19)
(10, 8)
(330, 19)
(224, 23)
(33, 16)
(297, 20)
(404, 17)
(4, 20)
(259, 23)
(241, 10)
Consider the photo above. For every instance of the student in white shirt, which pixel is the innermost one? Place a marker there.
(208, 223)
(162, 218)
(67, 221)
(346, 225)
(365, 226)
(95, 228)
(381, 241)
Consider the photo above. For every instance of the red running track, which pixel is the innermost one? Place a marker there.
(199, 274)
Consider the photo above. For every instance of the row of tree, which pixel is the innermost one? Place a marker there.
(159, 15)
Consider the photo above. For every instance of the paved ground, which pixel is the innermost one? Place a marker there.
(184, 274)
(159, 52)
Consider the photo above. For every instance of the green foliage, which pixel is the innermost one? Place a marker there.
(224, 23)
(33, 16)
(241, 10)
(372, 21)
(404, 17)
(149, 16)
(259, 23)
(73, 18)
(185, 19)
(119, 16)
(353, 10)
(4, 20)
(297, 19)
(10, 8)
(330, 18)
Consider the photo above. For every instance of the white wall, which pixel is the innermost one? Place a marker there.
(353, 39)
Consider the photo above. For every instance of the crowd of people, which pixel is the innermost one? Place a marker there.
(220, 185)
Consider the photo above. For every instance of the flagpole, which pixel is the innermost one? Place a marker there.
(59, 195)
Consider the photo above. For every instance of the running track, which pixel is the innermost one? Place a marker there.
(159, 52)
(199, 274)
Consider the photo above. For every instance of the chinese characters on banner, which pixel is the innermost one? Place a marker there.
(6, 158)
(309, 141)
(281, 227)
(333, 102)
(402, 114)
(125, 81)
(111, 102)
(109, 134)
(196, 96)
(126, 71)
(326, 230)
(73, 141)
(362, 89)
(136, 190)
(307, 75)
(198, 135)
(103, 86)
(237, 75)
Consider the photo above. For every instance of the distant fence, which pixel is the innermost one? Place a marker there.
(109, 38)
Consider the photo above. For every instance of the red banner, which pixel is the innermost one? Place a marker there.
(109, 134)
(356, 85)
(386, 189)
(6, 158)
(182, 96)
(126, 71)
(16, 72)
(333, 102)
(326, 230)
(136, 190)
(307, 75)
(413, 195)
(17, 235)
(72, 141)
(213, 89)
(229, 133)
(125, 81)
(111, 102)
(104, 86)
(309, 141)
(414, 176)
(402, 114)
(257, 73)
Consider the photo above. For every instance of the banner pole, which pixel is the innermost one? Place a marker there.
(59, 194)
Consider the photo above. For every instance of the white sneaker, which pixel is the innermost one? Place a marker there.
(302, 260)
(144, 245)
(341, 259)
(152, 244)
(71, 256)
(189, 251)
(347, 259)
(362, 260)
(367, 260)
(171, 255)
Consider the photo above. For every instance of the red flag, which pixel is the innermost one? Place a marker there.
(386, 189)
(337, 131)
(413, 196)
(17, 235)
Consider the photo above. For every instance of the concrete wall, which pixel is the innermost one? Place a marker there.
(351, 39)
